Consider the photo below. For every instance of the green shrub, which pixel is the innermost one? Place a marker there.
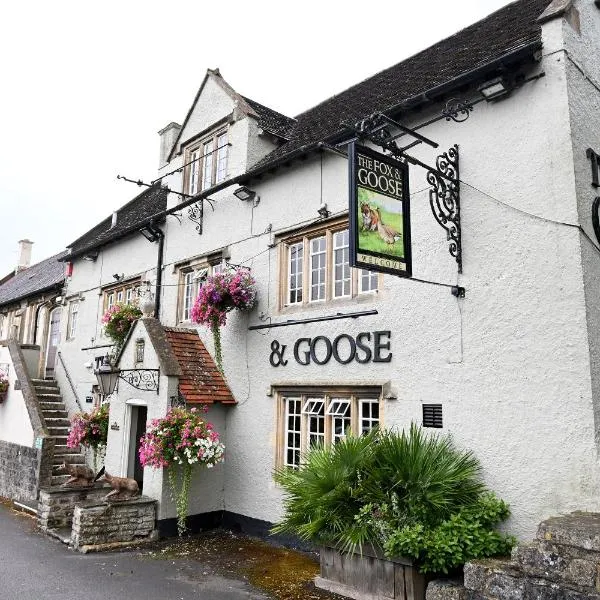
(408, 493)
(463, 536)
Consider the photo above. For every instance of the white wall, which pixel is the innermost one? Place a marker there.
(509, 362)
(15, 426)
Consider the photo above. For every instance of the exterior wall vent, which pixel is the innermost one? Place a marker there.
(432, 415)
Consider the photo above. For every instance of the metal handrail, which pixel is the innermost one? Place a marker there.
(62, 362)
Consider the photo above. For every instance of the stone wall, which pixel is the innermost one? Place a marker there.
(562, 563)
(98, 524)
(19, 471)
(57, 504)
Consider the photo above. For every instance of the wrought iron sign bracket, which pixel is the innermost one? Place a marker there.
(444, 194)
(196, 215)
(444, 199)
(146, 380)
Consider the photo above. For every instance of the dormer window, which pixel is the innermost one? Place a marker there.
(206, 163)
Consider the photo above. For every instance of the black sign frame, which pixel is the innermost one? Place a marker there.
(353, 153)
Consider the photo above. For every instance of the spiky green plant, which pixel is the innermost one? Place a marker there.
(362, 489)
(324, 494)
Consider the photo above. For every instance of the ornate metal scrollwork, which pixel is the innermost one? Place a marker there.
(178, 401)
(196, 215)
(376, 129)
(141, 379)
(457, 110)
(444, 199)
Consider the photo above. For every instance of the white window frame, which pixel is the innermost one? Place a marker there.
(319, 414)
(206, 161)
(191, 278)
(302, 268)
(72, 320)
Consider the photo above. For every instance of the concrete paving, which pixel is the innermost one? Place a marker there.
(35, 567)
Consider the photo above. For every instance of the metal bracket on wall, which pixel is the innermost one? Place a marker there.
(444, 199)
(196, 215)
(146, 380)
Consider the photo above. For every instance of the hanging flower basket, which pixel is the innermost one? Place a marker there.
(177, 442)
(221, 293)
(90, 430)
(118, 320)
(4, 385)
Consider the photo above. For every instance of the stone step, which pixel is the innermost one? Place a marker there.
(71, 458)
(56, 414)
(56, 421)
(52, 406)
(61, 447)
(48, 382)
(58, 431)
(49, 397)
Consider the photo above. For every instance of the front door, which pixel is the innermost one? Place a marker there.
(53, 340)
(139, 414)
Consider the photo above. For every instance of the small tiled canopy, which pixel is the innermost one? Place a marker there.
(200, 381)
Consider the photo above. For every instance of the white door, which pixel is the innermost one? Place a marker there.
(53, 340)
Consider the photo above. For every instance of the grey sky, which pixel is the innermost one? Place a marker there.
(87, 86)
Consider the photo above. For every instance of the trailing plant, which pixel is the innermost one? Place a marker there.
(90, 430)
(118, 320)
(221, 293)
(4, 383)
(177, 442)
(406, 493)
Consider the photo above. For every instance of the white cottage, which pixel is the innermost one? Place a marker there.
(493, 341)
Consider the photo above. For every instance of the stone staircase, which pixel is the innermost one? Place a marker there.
(562, 563)
(57, 421)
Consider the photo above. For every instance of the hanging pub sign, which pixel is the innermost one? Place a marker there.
(379, 212)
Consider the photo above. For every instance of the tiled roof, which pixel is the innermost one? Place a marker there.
(507, 30)
(272, 121)
(129, 218)
(201, 381)
(34, 280)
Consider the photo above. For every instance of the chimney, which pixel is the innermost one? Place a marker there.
(24, 255)
(168, 135)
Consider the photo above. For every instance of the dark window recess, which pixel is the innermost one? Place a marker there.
(432, 415)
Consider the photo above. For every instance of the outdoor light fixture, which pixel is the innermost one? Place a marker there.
(107, 377)
(244, 193)
(322, 210)
(90, 256)
(149, 233)
(494, 89)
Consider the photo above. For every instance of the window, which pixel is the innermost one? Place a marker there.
(206, 163)
(316, 268)
(190, 280)
(72, 323)
(322, 417)
(123, 293)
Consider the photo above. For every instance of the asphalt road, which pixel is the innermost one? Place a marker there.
(35, 567)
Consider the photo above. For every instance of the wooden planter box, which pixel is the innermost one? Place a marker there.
(370, 576)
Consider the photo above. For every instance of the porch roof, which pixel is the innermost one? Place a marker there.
(200, 382)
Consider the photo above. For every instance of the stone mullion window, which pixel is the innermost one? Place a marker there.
(315, 268)
(309, 418)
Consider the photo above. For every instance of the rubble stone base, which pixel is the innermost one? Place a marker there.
(102, 526)
(56, 504)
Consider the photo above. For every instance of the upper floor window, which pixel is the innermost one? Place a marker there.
(72, 321)
(317, 267)
(190, 280)
(206, 163)
(124, 293)
(307, 418)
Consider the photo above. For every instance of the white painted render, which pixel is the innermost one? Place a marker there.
(515, 364)
(15, 426)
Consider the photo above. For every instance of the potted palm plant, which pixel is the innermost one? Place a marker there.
(390, 510)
